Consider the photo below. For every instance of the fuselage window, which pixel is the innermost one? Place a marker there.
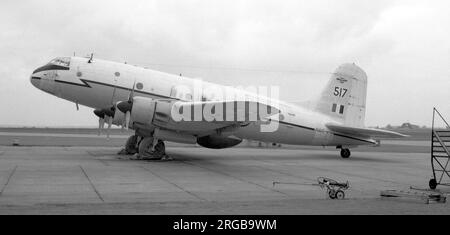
(117, 74)
(334, 108)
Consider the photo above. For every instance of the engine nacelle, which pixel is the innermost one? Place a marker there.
(218, 142)
(149, 113)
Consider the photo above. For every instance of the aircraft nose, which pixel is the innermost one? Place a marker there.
(36, 81)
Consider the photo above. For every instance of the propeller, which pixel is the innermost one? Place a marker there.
(101, 120)
(125, 107)
(104, 115)
(107, 115)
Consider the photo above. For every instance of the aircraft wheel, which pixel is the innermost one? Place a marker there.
(332, 194)
(340, 195)
(345, 153)
(131, 145)
(160, 149)
(145, 149)
(432, 184)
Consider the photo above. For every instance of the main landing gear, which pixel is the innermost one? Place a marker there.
(345, 153)
(145, 148)
(152, 149)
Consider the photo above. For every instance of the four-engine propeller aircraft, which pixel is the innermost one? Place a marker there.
(146, 101)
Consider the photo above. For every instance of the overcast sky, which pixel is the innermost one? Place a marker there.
(404, 46)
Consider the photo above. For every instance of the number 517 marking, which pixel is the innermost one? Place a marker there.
(340, 92)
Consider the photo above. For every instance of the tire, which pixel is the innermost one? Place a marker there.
(332, 194)
(145, 149)
(160, 147)
(160, 150)
(345, 153)
(433, 184)
(340, 195)
(130, 146)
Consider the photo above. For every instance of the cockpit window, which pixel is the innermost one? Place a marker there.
(62, 61)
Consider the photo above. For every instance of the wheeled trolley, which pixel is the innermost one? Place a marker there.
(335, 189)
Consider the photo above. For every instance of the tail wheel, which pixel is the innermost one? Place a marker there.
(345, 153)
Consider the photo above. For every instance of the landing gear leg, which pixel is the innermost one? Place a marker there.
(151, 149)
(131, 146)
(345, 153)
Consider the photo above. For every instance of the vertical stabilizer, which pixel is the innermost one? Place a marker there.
(344, 97)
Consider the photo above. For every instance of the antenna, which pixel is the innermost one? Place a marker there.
(90, 59)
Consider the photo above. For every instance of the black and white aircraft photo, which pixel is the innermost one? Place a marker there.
(224, 108)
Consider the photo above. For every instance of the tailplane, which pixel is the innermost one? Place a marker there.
(344, 97)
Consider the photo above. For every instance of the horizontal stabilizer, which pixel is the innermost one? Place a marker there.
(364, 132)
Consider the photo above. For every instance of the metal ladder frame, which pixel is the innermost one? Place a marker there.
(438, 166)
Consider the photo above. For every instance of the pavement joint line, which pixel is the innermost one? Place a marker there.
(176, 185)
(232, 176)
(7, 181)
(280, 172)
(92, 185)
(95, 157)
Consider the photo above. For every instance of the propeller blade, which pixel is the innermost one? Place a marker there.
(130, 97)
(110, 120)
(101, 125)
(127, 119)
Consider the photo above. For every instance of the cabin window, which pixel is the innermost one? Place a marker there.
(117, 74)
(139, 86)
(334, 108)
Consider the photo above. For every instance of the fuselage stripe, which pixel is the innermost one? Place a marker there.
(86, 84)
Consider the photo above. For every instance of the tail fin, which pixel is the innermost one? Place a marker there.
(344, 97)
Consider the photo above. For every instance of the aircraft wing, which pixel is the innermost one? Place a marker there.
(224, 116)
(237, 111)
(364, 132)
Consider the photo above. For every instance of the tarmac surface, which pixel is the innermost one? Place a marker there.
(95, 180)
